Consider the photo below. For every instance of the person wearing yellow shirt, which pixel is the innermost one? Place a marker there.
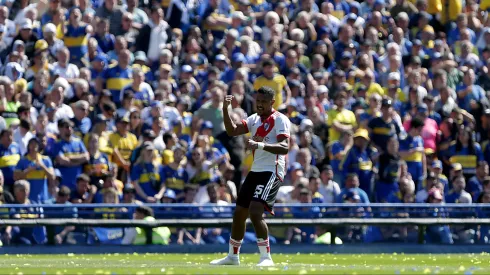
(275, 81)
(123, 143)
(450, 10)
(371, 86)
(394, 91)
(485, 5)
(340, 120)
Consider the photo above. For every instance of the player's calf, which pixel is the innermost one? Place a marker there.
(256, 212)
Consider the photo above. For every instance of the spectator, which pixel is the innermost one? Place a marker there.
(412, 151)
(137, 236)
(61, 232)
(111, 11)
(147, 175)
(201, 172)
(340, 120)
(98, 166)
(142, 91)
(329, 188)
(70, 154)
(382, 128)
(76, 36)
(457, 194)
(431, 182)
(175, 176)
(359, 160)
(437, 233)
(122, 143)
(109, 184)
(475, 184)
(338, 149)
(117, 77)
(465, 151)
(352, 185)
(387, 183)
(154, 36)
(437, 170)
(37, 170)
(9, 156)
(10, 102)
(84, 192)
(276, 81)
(212, 111)
(25, 235)
(27, 36)
(81, 122)
(129, 195)
(105, 40)
(184, 235)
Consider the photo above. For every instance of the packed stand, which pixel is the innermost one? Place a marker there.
(120, 102)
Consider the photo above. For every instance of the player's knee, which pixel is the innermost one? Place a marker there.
(256, 211)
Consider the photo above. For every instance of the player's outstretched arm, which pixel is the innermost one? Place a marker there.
(232, 129)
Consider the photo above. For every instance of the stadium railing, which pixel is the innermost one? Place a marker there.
(212, 215)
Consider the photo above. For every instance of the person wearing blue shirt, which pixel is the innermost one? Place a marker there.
(142, 91)
(384, 127)
(70, 154)
(37, 170)
(117, 76)
(9, 156)
(238, 59)
(98, 65)
(147, 176)
(81, 123)
(454, 34)
(465, 151)
(352, 185)
(344, 42)
(105, 39)
(358, 160)
(430, 102)
(475, 184)
(413, 152)
(388, 171)
(24, 234)
(338, 149)
(174, 175)
(469, 94)
(457, 194)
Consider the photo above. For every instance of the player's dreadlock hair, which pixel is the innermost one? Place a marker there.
(267, 91)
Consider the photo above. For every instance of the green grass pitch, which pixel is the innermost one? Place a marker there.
(113, 264)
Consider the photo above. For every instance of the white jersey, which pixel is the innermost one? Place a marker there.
(268, 131)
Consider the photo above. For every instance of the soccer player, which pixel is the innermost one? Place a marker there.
(269, 145)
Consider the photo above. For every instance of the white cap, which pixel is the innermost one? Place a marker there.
(49, 28)
(305, 123)
(26, 24)
(394, 76)
(322, 89)
(238, 14)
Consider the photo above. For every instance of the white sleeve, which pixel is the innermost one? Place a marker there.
(248, 122)
(150, 91)
(283, 126)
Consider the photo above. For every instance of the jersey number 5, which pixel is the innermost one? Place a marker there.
(258, 191)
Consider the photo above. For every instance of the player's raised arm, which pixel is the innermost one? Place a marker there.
(232, 129)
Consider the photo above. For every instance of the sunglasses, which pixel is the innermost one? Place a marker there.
(135, 117)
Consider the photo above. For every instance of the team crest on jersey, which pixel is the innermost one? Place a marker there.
(266, 126)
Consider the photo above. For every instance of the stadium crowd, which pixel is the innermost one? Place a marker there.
(120, 102)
